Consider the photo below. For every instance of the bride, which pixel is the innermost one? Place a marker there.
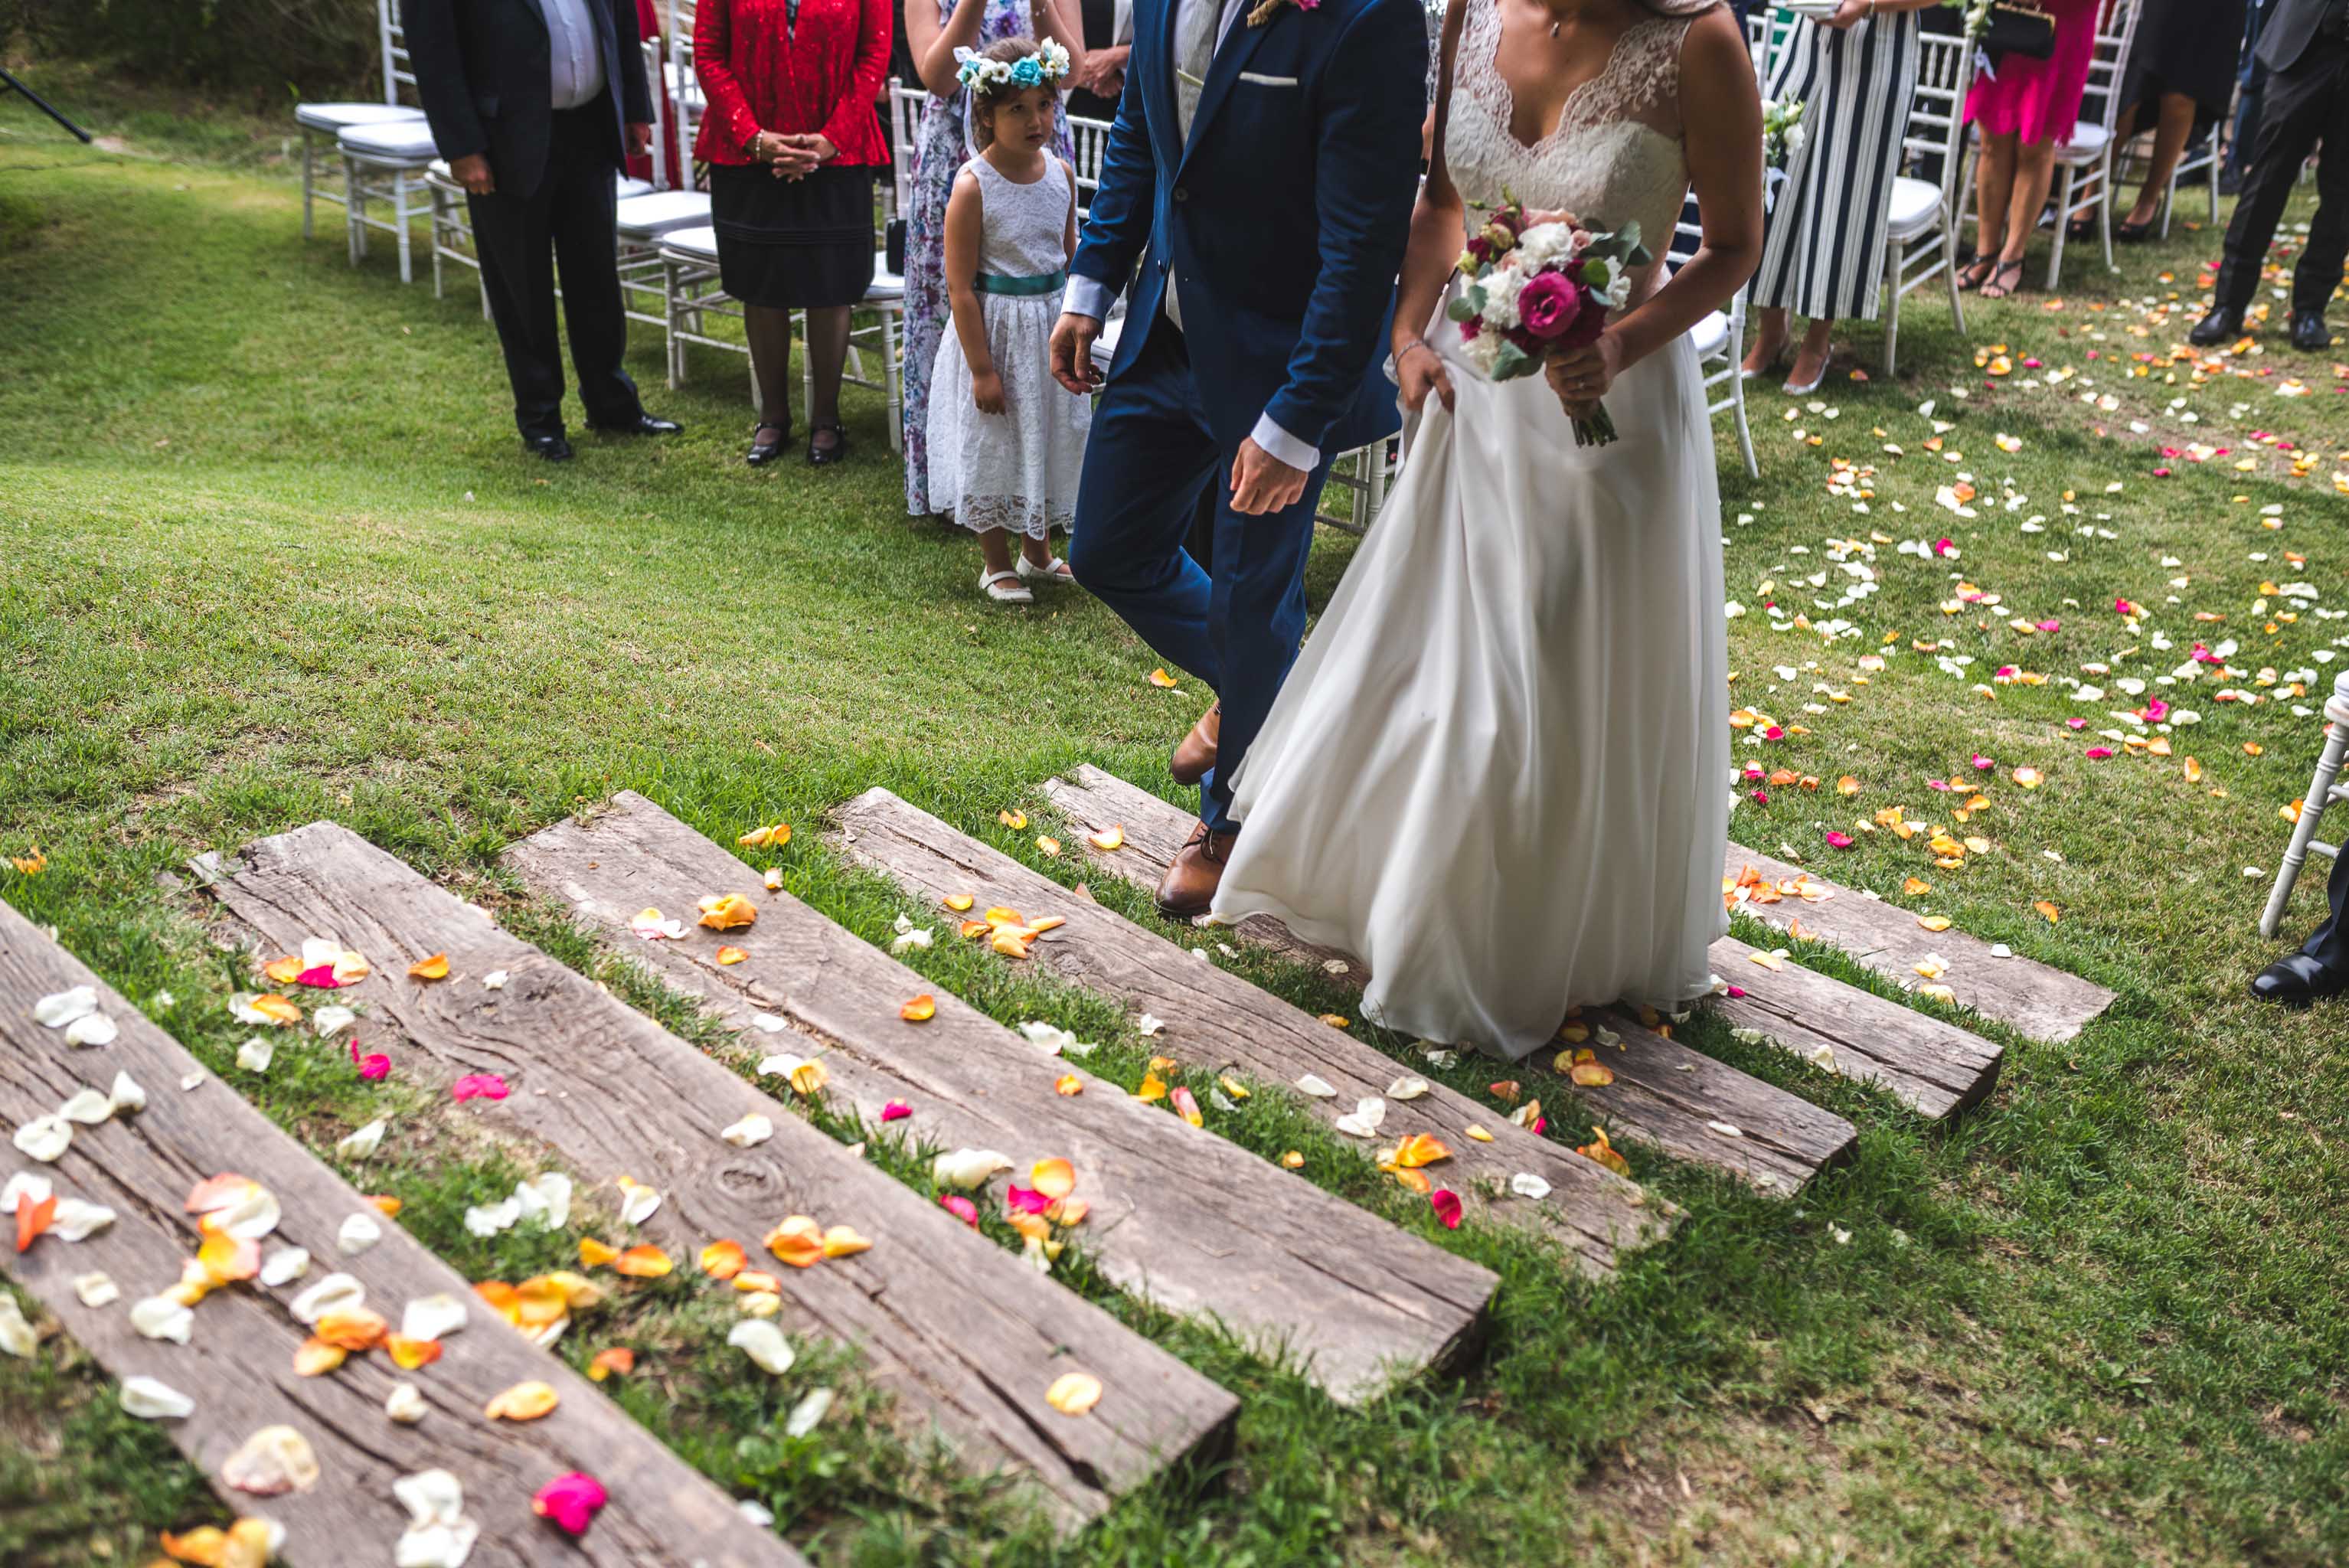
(1499, 773)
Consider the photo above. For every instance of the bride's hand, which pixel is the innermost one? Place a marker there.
(1418, 370)
(1580, 376)
(1534, 220)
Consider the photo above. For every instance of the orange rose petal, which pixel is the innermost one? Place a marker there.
(594, 1253)
(276, 1009)
(723, 1260)
(1420, 1148)
(386, 1205)
(615, 1358)
(959, 903)
(410, 1354)
(842, 1241)
(1069, 1212)
(283, 970)
(522, 1402)
(353, 1328)
(1014, 820)
(974, 928)
(502, 1298)
(1415, 1180)
(1049, 923)
(1153, 1088)
(920, 1010)
(314, 1358)
(727, 911)
(2049, 910)
(1053, 1178)
(798, 1240)
(540, 1301)
(225, 1259)
(33, 1218)
(1001, 915)
(1067, 1083)
(433, 968)
(1162, 680)
(645, 1261)
(1110, 837)
(732, 955)
(751, 1281)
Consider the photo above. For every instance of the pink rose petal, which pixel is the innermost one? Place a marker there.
(961, 1208)
(571, 1501)
(479, 1086)
(322, 976)
(1446, 1204)
(896, 1110)
(1027, 1201)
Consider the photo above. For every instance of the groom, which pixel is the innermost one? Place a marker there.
(1261, 174)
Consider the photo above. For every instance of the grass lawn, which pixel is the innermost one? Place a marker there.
(271, 554)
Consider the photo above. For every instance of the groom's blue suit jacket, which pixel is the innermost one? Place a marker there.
(1283, 220)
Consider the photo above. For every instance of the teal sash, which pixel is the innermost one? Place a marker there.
(1043, 283)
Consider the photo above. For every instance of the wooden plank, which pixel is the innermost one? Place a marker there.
(238, 1367)
(1195, 1224)
(1664, 1095)
(1931, 1065)
(966, 1335)
(2042, 1002)
(1216, 1020)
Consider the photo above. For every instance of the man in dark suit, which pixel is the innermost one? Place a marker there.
(537, 104)
(2304, 44)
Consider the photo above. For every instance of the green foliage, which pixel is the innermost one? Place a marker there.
(313, 46)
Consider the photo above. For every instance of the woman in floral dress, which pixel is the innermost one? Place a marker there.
(938, 156)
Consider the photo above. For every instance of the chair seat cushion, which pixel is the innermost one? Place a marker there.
(886, 284)
(628, 188)
(336, 116)
(1105, 346)
(2085, 145)
(395, 141)
(1916, 206)
(1711, 335)
(648, 218)
(701, 243)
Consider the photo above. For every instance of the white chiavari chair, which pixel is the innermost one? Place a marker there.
(385, 164)
(324, 122)
(2324, 790)
(1921, 228)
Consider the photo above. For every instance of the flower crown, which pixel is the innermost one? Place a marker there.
(1049, 63)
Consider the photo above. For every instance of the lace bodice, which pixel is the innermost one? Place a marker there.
(1023, 229)
(1617, 154)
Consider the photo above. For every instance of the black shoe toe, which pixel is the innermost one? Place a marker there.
(642, 425)
(2309, 332)
(2221, 325)
(553, 449)
(2297, 980)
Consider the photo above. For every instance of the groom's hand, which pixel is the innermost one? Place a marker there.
(1072, 353)
(1262, 482)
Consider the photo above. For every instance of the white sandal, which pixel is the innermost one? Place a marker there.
(1005, 587)
(1054, 570)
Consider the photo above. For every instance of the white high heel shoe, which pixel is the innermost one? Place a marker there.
(1805, 388)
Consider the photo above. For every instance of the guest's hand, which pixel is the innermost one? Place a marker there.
(1849, 14)
(473, 171)
(640, 139)
(1420, 370)
(1262, 483)
(1580, 376)
(1072, 353)
(987, 391)
(816, 146)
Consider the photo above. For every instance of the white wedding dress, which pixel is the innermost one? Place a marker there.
(1499, 773)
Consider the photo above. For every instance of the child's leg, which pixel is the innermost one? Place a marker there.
(1038, 548)
(995, 548)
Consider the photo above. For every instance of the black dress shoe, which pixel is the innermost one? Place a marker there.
(642, 425)
(2309, 332)
(825, 456)
(2223, 325)
(766, 444)
(553, 449)
(2298, 980)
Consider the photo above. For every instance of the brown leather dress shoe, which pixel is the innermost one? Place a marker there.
(1195, 752)
(1188, 888)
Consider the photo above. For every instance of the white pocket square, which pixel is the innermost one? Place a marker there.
(1265, 81)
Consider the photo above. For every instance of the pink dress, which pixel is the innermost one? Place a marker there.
(2039, 100)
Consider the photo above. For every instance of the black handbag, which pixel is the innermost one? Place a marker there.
(2017, 27)
(893, 245)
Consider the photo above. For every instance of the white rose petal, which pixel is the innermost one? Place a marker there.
(76, 1220)
(438, 1535)
(271, 1462)
(1148, 1026)
(1316, 1088)
(1047, 1038)
(764, 1344)
(192, 1080)
(92, 1029)
(767, 1023)
(96, 1290)
(967, 1168)
(336, 1293)
(808, 1413)
(63, 1007)
(87, 1106)
(1364, 1120)
(164, 1001)
(1525, 1184)
(241, 1009)
(161, 1317)
(328, 1020)
(751, 1131)
(495, 980)
(781, 1067)
(638, 1202)
(251, 1217)
(126, 1094)
(320, 952)
(151, 1400)
(24, 1185)
(45, 1138)
(255, 1055)
(1725, 1129)
(17, 1336)
(492, 1219)
(363, 1143)
(907, 940)
(283, 1266)
(546, 1198)
(404, 1404)
(760, 1516)
(432, 1317)
(357, 1233)
(1407, 1088)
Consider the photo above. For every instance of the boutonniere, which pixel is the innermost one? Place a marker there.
(1268, 9)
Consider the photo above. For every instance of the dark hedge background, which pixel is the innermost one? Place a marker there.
(310, 48)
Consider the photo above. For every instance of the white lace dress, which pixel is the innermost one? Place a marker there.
(1017, 470)
(1500, 770)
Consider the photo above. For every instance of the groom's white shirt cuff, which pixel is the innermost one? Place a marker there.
(1093, 298)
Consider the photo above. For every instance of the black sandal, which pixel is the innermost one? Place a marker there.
(2134, 234)
(763, 451)
(825, 456)
(1997, 280)
(1976, 272)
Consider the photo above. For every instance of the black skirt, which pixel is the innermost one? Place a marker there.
(2185, 46)
(793, 243)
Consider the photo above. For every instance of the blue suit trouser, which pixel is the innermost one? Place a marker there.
(1149, 460)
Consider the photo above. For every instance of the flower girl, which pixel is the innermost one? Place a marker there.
(1007, 441)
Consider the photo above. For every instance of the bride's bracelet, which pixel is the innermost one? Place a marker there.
(1414, 343)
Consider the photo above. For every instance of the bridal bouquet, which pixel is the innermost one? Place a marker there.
(1533, 289)
(1782, 137)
